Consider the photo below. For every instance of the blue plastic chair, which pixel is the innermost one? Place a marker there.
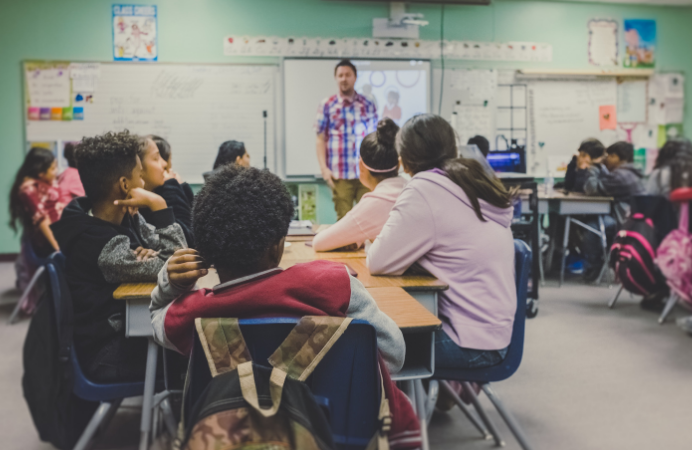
(345, 384)
(109, 395)
(504, 370)
(36, 261)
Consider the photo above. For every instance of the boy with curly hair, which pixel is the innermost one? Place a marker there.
(106, 242)
(243, 237)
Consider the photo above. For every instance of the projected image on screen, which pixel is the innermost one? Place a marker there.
(397, 94)
(400, 89)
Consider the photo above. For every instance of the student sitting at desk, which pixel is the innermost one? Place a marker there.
(619, 178)
(243, 237)
(107, 243)
(591, 151)
(673, 161)
(480, 142)
(230, 152)
(454, 220)
(35, 204)
(379, 172)
(159, 179)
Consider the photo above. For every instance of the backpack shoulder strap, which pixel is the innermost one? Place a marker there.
(223, 344)
(307, 344)
(380, 441)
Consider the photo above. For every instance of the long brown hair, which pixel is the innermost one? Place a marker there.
(428, 142)
(37, 161)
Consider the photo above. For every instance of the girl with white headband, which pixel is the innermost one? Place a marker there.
(379, 172)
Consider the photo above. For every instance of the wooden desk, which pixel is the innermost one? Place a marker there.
(299, 238)
(408, 282)
(423, 288)
(407, 313)
(298, 251)
(570, 204)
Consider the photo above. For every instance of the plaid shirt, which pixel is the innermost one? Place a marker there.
(345, 123)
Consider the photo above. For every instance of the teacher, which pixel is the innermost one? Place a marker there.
(343, 120)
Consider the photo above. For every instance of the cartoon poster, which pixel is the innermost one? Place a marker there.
(135, 33)
(640, 43)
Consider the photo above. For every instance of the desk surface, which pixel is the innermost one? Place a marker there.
(406, 311)
(573, 196)
(298, 251)
(408, 282)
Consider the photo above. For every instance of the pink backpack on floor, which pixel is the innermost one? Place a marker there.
(674, 257)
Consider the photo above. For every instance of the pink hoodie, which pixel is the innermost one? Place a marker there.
(365, 220)
(433, 223)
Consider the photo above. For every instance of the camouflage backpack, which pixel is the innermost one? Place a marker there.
(248, 406)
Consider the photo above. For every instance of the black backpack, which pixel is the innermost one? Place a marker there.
(59, 416)
(632, 256)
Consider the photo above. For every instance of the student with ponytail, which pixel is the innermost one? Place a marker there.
(454, 220)
(379, 172)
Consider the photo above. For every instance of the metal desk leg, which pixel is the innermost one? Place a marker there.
(565, 243)
(148, 400)
(421, 412)
(604, 243)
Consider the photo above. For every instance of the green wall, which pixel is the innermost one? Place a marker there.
(192, 31)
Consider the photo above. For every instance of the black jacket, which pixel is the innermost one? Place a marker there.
(179, 198)
(99, 257)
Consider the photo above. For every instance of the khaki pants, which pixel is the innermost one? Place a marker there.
(345, 193)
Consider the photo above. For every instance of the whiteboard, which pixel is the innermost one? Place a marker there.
(309, 81)
(194, 107)
(558, 113)
(562, 113)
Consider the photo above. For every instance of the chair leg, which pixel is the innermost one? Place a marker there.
(467, 412)
(25, 295)
(481, 412)
(168, 418)
(101, 413)
(508, 418)
(111, 413)
(433, 394)
(565, 243)
(670, 304)
(612, 301)
(541, 271)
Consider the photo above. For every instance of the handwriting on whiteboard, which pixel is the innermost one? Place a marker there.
(174, 86)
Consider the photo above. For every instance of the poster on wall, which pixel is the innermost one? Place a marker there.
(640, 43)
(603, 42)
(135, 33)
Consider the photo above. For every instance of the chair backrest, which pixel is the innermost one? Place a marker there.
(346, 382)
(504, 370)
(62, 306)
